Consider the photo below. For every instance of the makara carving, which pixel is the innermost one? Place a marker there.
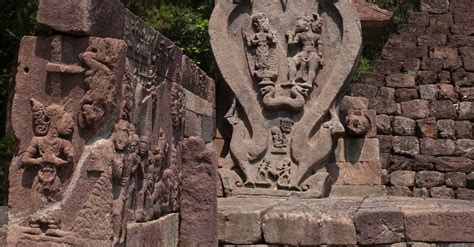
(290, 61)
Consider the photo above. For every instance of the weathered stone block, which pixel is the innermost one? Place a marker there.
(434, 6)
(354, 103)
(428, 179)
(444, 77)
(160, 232)
(379, 223)
(419, 19)
(467, 93)
(447, 91)
(442, 192)
(448, 221)
(465, 194)
(463, 129)
(465, 148)
(455, 179)
(362, 90)
(411, 65)
(359, 173)
(428, 92)
(402, 178)
(432, 64)
(392, 53)
(406, 145)
(417, 52)
(467, 54)
(198, 198)
(398, 163)
(421, 192)
(400, 80)
(432, 40)
(81, 17)
(446, 128)
(311, 222)
(386, 93)
(424, 163)
(461, 40)
(383, 106)
(384, 124)
(373, 79)
(403, 126)
(406, 94)
(466, 110)
(240, 219)
(357, 150)
(415, 109)
(454, 164)
(437, 147)
(387, 66)
(443, 109)
(426, 77)
(427, 127)
(402, 191)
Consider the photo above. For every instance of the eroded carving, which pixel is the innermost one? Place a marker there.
(101, 56)
(49, 150)
(358, 124)
(178, 105)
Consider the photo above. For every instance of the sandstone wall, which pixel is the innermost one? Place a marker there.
(422, 89)
(111, 117)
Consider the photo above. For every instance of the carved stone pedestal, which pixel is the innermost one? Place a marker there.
(356, 170)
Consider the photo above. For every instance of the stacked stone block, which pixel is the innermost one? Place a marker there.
(422, 89)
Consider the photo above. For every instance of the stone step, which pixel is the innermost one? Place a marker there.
(344, 221)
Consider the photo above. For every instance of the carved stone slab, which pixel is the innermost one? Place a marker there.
(287, 62)
(99, 135)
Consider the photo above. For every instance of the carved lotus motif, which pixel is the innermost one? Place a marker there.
(286, 62)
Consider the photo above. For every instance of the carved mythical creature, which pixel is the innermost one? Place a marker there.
(48, 150)
(303, 67)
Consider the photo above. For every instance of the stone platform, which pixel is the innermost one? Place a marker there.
(344, 221)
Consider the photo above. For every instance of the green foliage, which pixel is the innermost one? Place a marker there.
(183, 22)
(400, 10)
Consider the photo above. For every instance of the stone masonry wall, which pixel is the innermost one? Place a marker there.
(422, 89)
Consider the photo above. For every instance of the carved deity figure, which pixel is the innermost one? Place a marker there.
(48, 150)
(144, 154)
(154, 184)
(284, 173)
(303, 67)
(279, 138)
(262, 40)
(263, 172)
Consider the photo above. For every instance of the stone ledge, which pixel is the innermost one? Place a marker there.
(344, 221)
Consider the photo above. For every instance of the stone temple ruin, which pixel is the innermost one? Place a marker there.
(123, 141)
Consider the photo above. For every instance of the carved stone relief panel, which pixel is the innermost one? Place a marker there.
(287, 64)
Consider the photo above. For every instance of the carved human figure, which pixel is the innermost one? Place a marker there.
(264, 169)
(262, 40)
(279, 138)
(120, 176)
(303, 67)
(48, 150)
(144, 154)
(154, 184)
(284, 173)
